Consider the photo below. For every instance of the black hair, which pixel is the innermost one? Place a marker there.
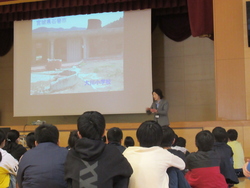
(204, 140)
(11, 138)
(30, 140)
(12, 135)
(158, 92)
(2, 138)
(220, 134)
(168, 136)
(149, 134)
(114, 135)
(46, 133)
(232, 134)
(73, 137)
(181, 142)
(129, 141)
(176, 138)
(91, 124)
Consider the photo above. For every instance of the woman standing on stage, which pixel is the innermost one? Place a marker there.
(159, 108)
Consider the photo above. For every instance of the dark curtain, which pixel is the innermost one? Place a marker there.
(173, 21)
(6, 40)
(175, 27)
(53, 8)
(201, 17)
(174, 17)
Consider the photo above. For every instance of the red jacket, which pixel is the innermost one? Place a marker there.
(204, 170)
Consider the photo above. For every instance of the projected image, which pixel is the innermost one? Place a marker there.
(77, 54)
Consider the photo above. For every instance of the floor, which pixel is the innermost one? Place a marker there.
(244, 183)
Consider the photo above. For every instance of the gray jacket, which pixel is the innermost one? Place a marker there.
(162, 115)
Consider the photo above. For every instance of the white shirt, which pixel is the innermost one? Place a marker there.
(8, 165)
(179, 148)
(9, 162)
(150, 166)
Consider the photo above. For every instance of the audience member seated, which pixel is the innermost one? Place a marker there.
(150, 161)
(204, 165)
(180, 144)
(114, 136)
(167, 141)
(8, 165)
(238, 153)
(176, 176)
(12, 146)
(226, 154)
(43, 166)
(73, 137)
(30, 140)
(92, 163)
(129, 141)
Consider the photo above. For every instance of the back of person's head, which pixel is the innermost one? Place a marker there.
(2, 139)
(204, 140)
(46, 133)
(175, 139)
(158, 92)
(30, 140)
(129, 141)
(232, 134)
(91, 124)
(12, 135)
(73, 137)
(168, 136)
(114, 135)
(181, 142)
(220, 134)
(11, 140)
(149, 134)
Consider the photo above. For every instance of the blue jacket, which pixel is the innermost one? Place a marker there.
(42, 166)
(226, 165)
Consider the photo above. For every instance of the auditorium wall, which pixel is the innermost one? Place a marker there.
(185, 71)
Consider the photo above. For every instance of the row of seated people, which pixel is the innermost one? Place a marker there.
(90, 162)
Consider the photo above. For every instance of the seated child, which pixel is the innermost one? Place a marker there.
(30, 140)
(43, 165)
(8, 165)
(150, 161)
(176, 176)
(226, 154)
(92, 163)
(115, 136)
(129, 141)
(180, 144)
(73, 137)
(12, 145)
(204, 165)
(169, 138)
(238, 157)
